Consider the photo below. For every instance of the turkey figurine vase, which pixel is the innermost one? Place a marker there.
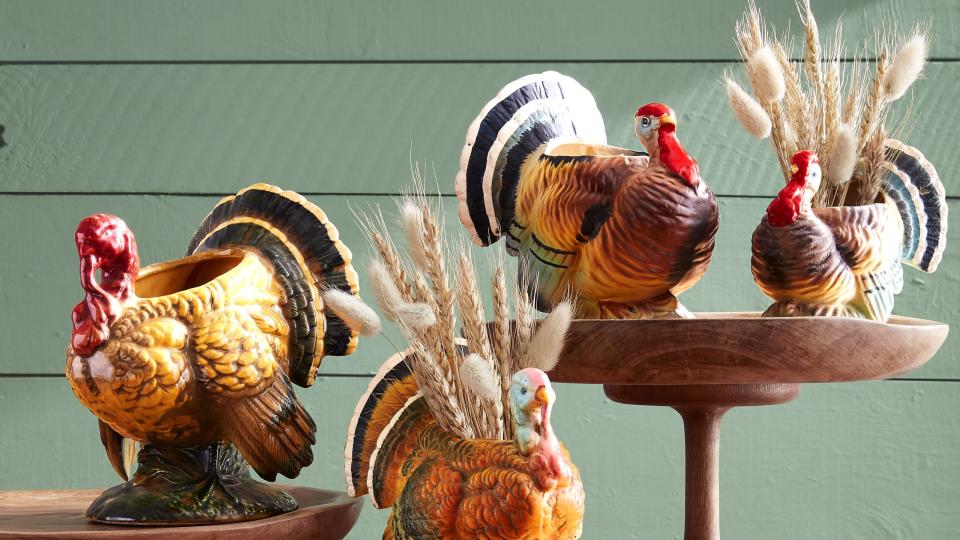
(847, 260)
(196, 358)
(624, 231)
(439, 485)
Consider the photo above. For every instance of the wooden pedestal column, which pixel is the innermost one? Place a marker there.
(702, 407)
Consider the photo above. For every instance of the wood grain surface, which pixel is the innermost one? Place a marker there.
(353, 128)
(745, 349)
(181, 30)
(60, 514)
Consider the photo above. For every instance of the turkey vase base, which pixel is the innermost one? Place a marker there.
(189, 486)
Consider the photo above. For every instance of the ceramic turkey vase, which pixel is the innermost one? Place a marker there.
(455, 434)
(623, 231)
(858, 202)
(196, 358)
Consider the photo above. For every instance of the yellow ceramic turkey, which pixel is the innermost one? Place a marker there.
(195, 357)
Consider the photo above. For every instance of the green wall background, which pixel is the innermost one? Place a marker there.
(153, 110)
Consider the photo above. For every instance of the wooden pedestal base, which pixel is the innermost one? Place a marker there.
(702, 407)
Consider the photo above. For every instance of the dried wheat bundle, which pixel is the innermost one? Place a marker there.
(836, 108)
(465, 381)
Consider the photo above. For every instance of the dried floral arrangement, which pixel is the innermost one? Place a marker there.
(465, 381)
(839, 109)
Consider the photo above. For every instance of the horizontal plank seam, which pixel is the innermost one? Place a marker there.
(405, 61)
(306, 193)
(370, 375)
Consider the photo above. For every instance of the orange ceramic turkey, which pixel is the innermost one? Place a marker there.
(441, 486)
(194, 355)
(846, 260)
(624, 231)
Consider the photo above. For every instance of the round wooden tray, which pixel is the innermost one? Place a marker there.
(744, 348)
(703, 367)
(60, 514)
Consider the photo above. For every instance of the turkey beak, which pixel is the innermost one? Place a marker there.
(668, 119)
(544, 396)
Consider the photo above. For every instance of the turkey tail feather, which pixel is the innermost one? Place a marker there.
(912, 183)
(305, 250)
(525, 115)
(390, 465)
(387, 394)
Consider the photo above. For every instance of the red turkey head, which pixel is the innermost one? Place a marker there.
(799, 191)
(648, 122)
(656, 126)
(104, 244)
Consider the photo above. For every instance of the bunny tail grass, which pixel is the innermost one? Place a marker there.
(412, 217)
(415, 316)
(548, 341)
(843, 155)
(385, 290)
(748, 112)
(358, 315)
(475, 373)
(906, 67)
(766, 75)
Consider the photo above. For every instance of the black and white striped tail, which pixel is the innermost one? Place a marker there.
(388, 392)
(525, 115)
(913, 184)
(305, 250)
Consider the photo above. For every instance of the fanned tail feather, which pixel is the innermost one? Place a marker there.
(526, 114)
(387, 394)
(879, 289)
(305, 250)
(912, 183)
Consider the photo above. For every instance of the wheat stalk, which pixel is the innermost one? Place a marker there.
(475, 332)
(828, 108)
(464, 381)
(501, 342)
(523, 329)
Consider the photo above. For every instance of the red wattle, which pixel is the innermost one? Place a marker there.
(675, 158)
(785, 209)
(104, 243)
(90, 330)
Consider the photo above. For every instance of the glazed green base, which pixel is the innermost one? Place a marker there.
(189, 486)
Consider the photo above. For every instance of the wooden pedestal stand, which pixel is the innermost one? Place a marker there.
(703, 367)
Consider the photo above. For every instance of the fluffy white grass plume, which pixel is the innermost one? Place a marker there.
(412, 218)
(748, 112)
(766, 75)
(358, 316)
(547, 342)
(906, 67)
(843, 155)
(416, 316)
(475, 373)
(386, 291)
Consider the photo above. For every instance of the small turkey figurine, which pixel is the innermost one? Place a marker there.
(622, 231)
(445, 487)
(195, 357)
(846, 261)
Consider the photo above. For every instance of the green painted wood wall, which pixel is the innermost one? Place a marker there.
(152, 110)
